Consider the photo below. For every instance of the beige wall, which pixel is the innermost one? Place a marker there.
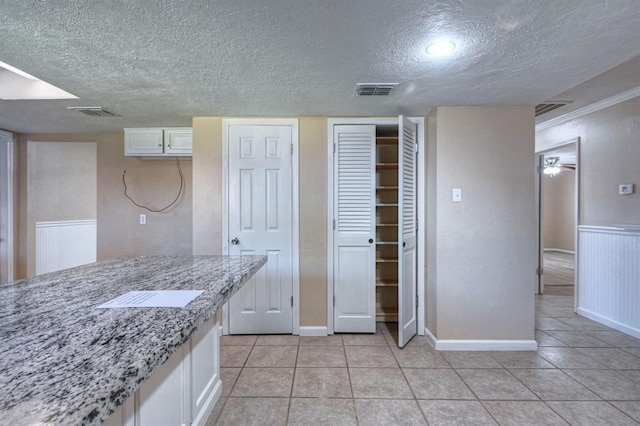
(151, 181)
(485, 247)
(61, 182)
(609, 156)
(558, 210)
(207, 206)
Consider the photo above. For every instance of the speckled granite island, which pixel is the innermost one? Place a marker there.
(62, 361)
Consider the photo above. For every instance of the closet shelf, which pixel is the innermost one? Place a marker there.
(387, 188)
(387, 205)
(387, 166)
(386, 314)
(380, 225)
(386, 140)
(379, 243)
(386, 260)
(386, 283)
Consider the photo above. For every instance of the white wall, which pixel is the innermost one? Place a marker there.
(484, 248)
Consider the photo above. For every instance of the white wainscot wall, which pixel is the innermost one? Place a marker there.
(65, 244)
(609, 276)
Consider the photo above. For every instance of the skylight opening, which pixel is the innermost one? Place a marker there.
(16, 84)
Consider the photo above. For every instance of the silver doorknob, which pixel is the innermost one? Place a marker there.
(235, 241)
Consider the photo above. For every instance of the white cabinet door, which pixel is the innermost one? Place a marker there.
(160, 399)
(354, 214)
(178, 141)
(260, 222)
(205, 371)
(143, 141)
(407, 230)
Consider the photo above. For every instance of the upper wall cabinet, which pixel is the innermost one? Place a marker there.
(158, 142)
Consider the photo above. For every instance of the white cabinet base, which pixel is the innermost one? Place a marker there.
(182, 391)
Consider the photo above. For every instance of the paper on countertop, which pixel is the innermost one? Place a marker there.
(153, 299)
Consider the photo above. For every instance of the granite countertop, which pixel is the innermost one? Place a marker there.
(64, 362)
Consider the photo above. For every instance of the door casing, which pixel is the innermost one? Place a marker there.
(295, 205)
(7, 145)
(421, 210)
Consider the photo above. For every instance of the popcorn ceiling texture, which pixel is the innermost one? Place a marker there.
(65, 362)
(161, 63)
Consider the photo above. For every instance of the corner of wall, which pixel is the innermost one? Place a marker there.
(207, 185)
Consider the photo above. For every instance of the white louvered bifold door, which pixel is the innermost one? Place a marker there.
(354, 233)
(407, 230)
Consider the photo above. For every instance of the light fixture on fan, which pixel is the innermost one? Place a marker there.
(551, 166)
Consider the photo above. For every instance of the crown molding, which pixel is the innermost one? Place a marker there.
(594, 107)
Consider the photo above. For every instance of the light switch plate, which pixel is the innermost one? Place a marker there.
(143, 219)
(456, 195)
(626, 189)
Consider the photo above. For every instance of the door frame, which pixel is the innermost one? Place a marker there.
(10, 147)
(295, 205)
(420, 278)
(540, 153)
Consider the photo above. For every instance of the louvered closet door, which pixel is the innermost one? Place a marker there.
(407, 229)
(354, 214)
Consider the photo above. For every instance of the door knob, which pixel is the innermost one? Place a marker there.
(370, 240)
(235, 241)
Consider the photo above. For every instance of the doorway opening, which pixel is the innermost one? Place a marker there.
(558, 218)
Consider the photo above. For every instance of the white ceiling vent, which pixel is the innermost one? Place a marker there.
(375, 89)
(549, 106)
(94, 111)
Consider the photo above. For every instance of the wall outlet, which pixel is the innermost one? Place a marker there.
(626, 189)
(143, 219)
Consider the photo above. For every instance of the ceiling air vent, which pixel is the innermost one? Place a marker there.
(550, 106)
(375, 89)
(94, 111)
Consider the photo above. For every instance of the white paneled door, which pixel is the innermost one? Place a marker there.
(260, 222)
(407, 231)
(354, 229)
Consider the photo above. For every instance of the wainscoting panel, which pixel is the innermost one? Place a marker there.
(64, 244)
(609, 276)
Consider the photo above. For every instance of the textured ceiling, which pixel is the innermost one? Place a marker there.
(163, 62)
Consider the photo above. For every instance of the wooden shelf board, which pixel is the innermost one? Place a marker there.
(386, 188)
(386, 224)
(387, 243)
(384, 313)
(387, 205)
(386, 283)
(386, 260)
(386, 165)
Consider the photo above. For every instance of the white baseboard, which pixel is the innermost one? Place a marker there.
(313, 331)
(480, 345)
(560, 250)
(609, 322)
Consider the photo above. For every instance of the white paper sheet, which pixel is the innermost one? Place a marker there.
(153, 299)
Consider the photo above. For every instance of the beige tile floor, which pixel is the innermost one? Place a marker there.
(582, 374)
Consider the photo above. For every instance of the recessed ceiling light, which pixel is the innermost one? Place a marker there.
(440, 48)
